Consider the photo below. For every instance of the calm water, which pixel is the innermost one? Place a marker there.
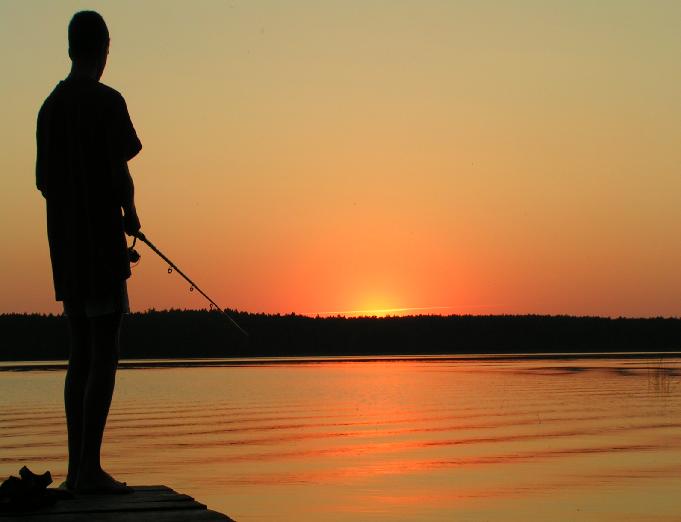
(438, 439)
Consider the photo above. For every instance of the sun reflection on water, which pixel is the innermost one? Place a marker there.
(385, 439)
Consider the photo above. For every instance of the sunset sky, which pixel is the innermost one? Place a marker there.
(349, 156)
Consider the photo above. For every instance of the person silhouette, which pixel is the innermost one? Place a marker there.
(84, 140)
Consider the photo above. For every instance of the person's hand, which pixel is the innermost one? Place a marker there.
(131, 223)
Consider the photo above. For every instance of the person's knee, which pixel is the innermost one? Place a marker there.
(105, 332)
(80, 339)
(106, 326)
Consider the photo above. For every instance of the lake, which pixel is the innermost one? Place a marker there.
(434, 438)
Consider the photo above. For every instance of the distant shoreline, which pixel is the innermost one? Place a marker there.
(202, 334)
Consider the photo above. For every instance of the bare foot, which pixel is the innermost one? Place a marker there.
(101, 483)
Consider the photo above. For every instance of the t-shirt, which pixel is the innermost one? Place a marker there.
(84, 130)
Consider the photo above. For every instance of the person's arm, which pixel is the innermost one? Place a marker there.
(131, 221)
(123, 146)
(40, 167)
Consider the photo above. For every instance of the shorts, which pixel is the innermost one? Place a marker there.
(115, 302)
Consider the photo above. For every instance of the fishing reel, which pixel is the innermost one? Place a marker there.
(133, 255)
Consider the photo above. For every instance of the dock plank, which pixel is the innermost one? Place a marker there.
(204, 515)
(158, 503)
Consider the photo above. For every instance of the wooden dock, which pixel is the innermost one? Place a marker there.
(147, 503)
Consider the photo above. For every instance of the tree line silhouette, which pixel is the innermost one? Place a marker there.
(204, 333)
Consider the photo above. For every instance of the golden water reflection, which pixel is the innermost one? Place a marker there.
(441, 439)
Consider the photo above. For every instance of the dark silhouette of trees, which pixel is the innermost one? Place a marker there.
(203, 333)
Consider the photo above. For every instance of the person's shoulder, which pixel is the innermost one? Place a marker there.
(83, 89)
(51, 98)
(109, 94)
(54, 93)
(107, 90)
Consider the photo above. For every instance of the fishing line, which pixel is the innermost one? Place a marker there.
(134, 257)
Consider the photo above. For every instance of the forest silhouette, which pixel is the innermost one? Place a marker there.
(204, 333)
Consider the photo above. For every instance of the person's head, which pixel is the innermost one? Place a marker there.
(89, 41)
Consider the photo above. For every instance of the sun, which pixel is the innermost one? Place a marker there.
(378, 306)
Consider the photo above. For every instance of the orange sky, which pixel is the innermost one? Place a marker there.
(478, 157)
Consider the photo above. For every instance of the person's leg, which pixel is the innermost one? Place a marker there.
(98, 394)
(74, 391)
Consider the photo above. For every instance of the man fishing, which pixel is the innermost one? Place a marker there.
(84, 140)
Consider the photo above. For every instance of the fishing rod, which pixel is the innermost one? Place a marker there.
(173, 266)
